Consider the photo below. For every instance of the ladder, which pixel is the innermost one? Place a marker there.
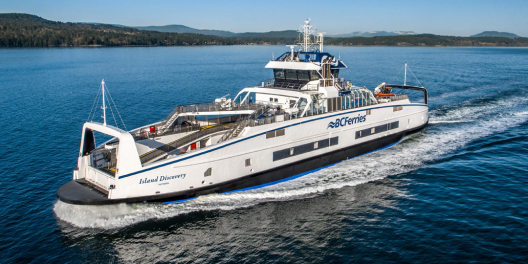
(237, 131)
(234, 133)
(168, 123)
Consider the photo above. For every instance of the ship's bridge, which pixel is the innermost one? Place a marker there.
(305, 66)
(297, 69)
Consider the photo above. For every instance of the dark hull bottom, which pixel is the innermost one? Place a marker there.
(77, 192)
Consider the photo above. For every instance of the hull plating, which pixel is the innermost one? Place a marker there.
(76, 192)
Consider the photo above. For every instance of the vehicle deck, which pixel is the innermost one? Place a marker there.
(147, 145)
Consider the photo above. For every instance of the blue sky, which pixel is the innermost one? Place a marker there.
(447, 17)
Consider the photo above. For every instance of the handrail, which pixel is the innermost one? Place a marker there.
(398, 97)
(410, 87)
(99, 178)
(212, 107)
(226, 136)
(181, 142)
(286, 84)
(143, 134)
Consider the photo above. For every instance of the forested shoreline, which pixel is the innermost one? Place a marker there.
(24, 30)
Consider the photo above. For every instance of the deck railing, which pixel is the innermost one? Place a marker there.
(253, 122)
(283, 84)
(398, 97)
(145, 133)
(181, 142)
(286, 84)
(99, 178)
(212, 107)
(250, 121)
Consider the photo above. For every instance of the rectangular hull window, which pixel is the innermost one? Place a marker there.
(276, 133)
(397, 108)
(305, 148)
(378, 129)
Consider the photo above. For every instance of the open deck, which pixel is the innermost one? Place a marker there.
(167, 144)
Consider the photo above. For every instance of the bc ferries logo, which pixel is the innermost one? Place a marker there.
(347, 121)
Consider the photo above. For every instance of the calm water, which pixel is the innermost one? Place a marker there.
(455, 192)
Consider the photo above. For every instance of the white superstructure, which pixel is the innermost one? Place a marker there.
(304, 118)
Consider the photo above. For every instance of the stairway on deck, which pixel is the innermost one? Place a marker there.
(169, 123)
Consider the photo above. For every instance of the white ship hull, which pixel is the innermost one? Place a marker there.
(183, 177)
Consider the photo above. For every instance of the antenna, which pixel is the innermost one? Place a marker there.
(405, 78)
(306, 40)
(104, 106)
(320, 40)
(292, 47)
(306, 31)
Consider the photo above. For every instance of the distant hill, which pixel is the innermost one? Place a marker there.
(272, 34)
(185, 29)
(370, 34)
(429, 40)
(496, 34)
(97, 23)
(24, 30)
(222, 33)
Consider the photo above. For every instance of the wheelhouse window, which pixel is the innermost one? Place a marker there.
(314, 76)
(303, 75)
(335, 72)
(291, 75)
(279, 74)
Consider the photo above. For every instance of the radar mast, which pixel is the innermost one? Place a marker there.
(306, 40)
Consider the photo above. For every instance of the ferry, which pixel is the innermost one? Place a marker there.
(305, 118)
